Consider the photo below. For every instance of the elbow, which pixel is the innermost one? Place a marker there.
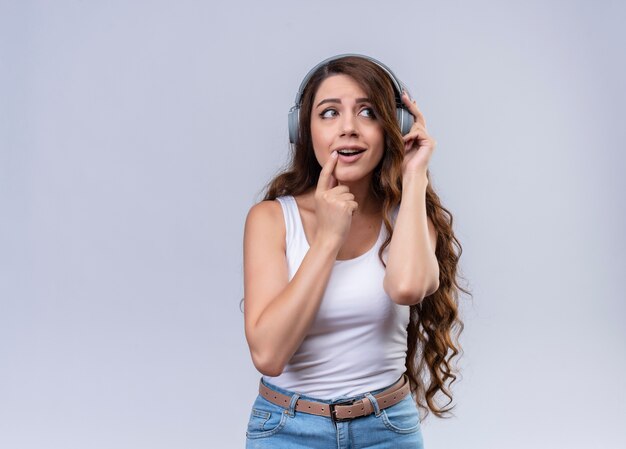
(269, 370)
(268, 366)
(406, 295)
(407, 298)
(267, 362)
(433, 288)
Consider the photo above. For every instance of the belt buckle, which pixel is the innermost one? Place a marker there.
(333, 412)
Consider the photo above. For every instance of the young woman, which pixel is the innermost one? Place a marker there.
(350, 271)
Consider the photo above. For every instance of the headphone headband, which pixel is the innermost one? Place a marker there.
(397, 84)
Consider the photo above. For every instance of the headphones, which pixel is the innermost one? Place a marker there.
(404, 117)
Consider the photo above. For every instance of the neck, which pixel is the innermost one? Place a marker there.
(361, 189)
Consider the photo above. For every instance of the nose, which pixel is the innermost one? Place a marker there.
(348, 125)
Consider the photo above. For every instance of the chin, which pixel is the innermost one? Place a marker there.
(344, 177)
(349, 175)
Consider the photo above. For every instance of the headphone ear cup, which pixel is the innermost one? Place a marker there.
(405, 120)
(293, 122)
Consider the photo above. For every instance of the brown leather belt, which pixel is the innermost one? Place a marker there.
(343, 410)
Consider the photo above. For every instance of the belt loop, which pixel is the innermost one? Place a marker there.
(292, 405)
(374, 403)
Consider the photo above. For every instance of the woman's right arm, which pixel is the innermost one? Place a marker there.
(278, 313)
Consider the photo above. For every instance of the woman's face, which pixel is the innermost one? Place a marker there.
(342, 118)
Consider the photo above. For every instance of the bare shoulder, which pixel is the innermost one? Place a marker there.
(266, 218)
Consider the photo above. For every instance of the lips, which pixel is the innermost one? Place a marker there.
(349, 150)
(351, 157)
(350, 153)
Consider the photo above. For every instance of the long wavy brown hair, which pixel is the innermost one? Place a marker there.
(434, 326)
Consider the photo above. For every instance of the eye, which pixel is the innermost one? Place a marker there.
(325, 113)
(369, 112)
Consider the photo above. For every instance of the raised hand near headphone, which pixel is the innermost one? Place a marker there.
(334, 206)
(418, 144)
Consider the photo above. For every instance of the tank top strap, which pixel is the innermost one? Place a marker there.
(294, 230)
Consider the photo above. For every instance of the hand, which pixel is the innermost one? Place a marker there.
(334, 206)
(418, 144)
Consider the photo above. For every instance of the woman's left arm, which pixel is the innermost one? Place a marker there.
(412, 271)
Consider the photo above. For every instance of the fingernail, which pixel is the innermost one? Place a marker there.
(334, 153)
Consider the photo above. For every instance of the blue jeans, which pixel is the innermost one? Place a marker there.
(273, 426)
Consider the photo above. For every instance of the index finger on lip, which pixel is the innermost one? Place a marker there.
(324, 179)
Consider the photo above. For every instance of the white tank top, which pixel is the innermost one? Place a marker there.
(358, 340)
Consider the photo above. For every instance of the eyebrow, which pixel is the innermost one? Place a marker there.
(337, 100)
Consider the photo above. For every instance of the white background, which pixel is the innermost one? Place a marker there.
(135, 136)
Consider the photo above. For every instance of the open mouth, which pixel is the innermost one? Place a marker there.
(348, 156)
(349, 152)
